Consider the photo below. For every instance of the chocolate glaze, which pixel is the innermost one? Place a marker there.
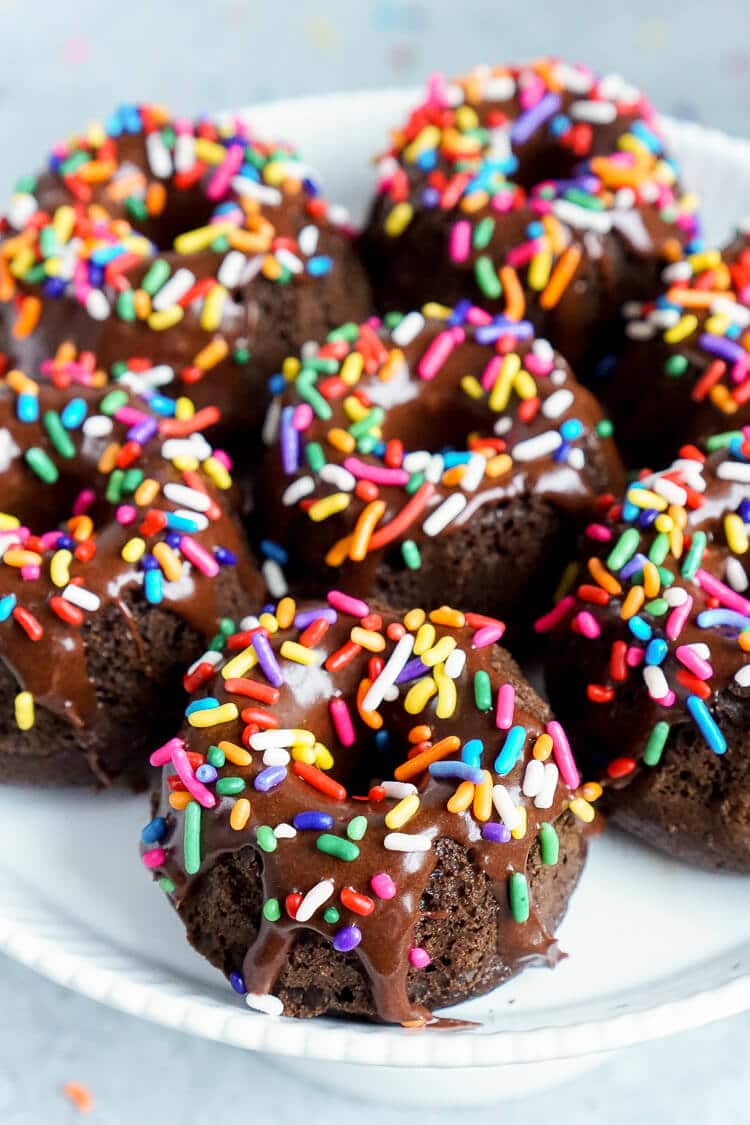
(297, 865)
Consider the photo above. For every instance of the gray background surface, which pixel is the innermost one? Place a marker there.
(66, 62)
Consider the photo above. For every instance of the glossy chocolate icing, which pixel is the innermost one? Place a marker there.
(296, 865)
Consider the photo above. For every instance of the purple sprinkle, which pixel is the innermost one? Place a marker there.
(289, 439)
(633, 566)
(491, 333)
(237, 983)
(460, 770)
(206, 773)
(142, 432)
(270, 778)
(719, 345)
(315, 821)
(411, 671)
(346, 939)
(497, 833)
(224, 556)
(267, 659)
(530, 121)
(307, 616)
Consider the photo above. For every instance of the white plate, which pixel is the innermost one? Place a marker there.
(654, 947)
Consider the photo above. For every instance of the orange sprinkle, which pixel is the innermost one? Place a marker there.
(462, 797)
(179, 800)
(602, 576)
(562, 275)
(442, 749)
(362, 534)
(372, 719)
(79, 1095)
(28, 318)
(421, 733)
(515, 302)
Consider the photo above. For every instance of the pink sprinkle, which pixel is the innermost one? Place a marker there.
(587, 625)
(126, 514)
(554, 617)
(491, 372)
(30, 573)
(506, 701)
(185, 773)
(540, 206)
(438, 352)
(668, 700)
(725, 594)
(154, 858)
(634, 656)
(537, 364)
(460, 241)
(302, 417)
(354, 607)
(362, 471)
(383, 886)
(49, 539)
(199, 556)
(563, 755)
(222, 456)
(522, 254)
(598, 532)
(693, 662)
(219, 182)
(475, 315)
(163, 755)
(83, 502)
(342, 721)
(502, 202)
(129, 416)
(437, 90)
(419, 958)
(487, 635)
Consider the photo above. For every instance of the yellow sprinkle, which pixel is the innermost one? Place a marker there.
(304, 754)
(539, 269)
(414, 619)
(582, 809)
(352, 368)
(483, 798)
(201, 237)
(240, 814)
(209, 151)
(8, 522)
(519, 831)
(59, 568)
(213, 353)
(213, 306)
(166, 318)
(133, 549)
(591, 790)
(676, 542)
(717, 325)
(500, 393)
(63, 223)
(285, 612)
(141, 303)
(290, 650)
(447, 693)
(212, 716)
(169, 561)
(704, 260)
(432, 309)
(634, 599)
(323, 757)
(341, 440)
(419, 695)
(402, 813)
(291, 368)
(429, 137)
(269, 621)
(81, 528)
(424, 639)
(24, 707)
(472, 387)
(462, 798)
(239, 664)
(328, 506)
(146, 492)
(439, 652)
(684, 327)
(498, 466)
(368, 638)
(644, 498)
(185, 464)
(217, 473)
(179, 801)
(21, 383)
(664, 522)
(355, 410)
(734, 529)
(235, 754)
(398, 219)
(542, 747)
(446, 615)
(525, 384)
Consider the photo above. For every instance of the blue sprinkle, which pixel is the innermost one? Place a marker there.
(427, 160)
(207, 703)
(656, 651)
(276, 383)
(320, 265)
(535, 230)
(729, 618)
(206, 773)
(224, 556)
(459, 770)
(153, 586)
(270, 778)
(471, 752)
(640, 628)
(237, 983)
(559, 124)
(313, 821)
(641, 130)
(511, 751)
(65, 543)
(382, 740)
(162, 405)
(27, 408)
(181, 523)
(7, 605)
(460, 312)
(430, 197)
(571, 429)
(74, 413)
(155, 831)
(148, 562)
(275, 551)
(704, 720)
(744, 511)
(53, 287)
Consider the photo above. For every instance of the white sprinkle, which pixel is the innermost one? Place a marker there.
(733, 470)
(251, 189)
(540, 446)
(742, 676)
(276, 756)
(252, 269)
(543, 349)
(199, 521)
(557, 403)
(209, 657)
(184, 152)
(473, 473)
(290, 261)
(573, 78)
(397, 790)
(533, 778)
(675, 595)
(97, 305)
(160, 376)
(444, 514)
(407, 842)
(273, 576)
(193, 446)
(231, 269)
(339, 477)
(338, 215)
(393, 667)
(500, 88)
(503, 426)
(576, 459)
(249, 622)
(581, 217)
(670, 491)
(159, 157)
(187, 497)
(307, 240)
(299, 488)
(271, 422)
(735, 575)
(455, 663)
(314, 899)
(546, 794)
(435, 468)
(700, 648)
(664, 318)
(624, 199)
(640, 330)
(740, 314)
(284, 831)
(416, 462)
(264, 1002)
(506, 809)
(678, 271)
(97, 426)
(84, 599)
(656, 682)
(632, 309)
(598, 113)
(273, 739)
(22, 207)
(407, 329)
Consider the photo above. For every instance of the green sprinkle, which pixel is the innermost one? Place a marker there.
(307, 391)
(131, 480)
(348, 332)
(271, 910)
(40, 463)
(241, 356)
(230, 786)
(337, 847)
(657, 608)
(192, 840)
(694, 555)
(486, 278)
(666, 577)
(25, 184)
(483, 233)
(48, 243)
(583, 199)
(604, 428)
(316, 458)
(656, 742)
(136, 207)
(118, 369)
(73, 163)
(156, 275)
(659, 549)
(220, 245)
(676, 365)
(721, 441)
(519, 897)
(217, 643)
(392, 320)
(331, 915)
(216, 757)
(322, 366)
(125, 306)
(113, 401)
(266, 838)
(482, 691)
(356, 827)
(549, 844)
(366, 444)
(624, 549)
(415, 482)
(167, 886)
(411, 554)
(372, 419)
(227, 626)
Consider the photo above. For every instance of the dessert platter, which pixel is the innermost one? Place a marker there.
(373, 577)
